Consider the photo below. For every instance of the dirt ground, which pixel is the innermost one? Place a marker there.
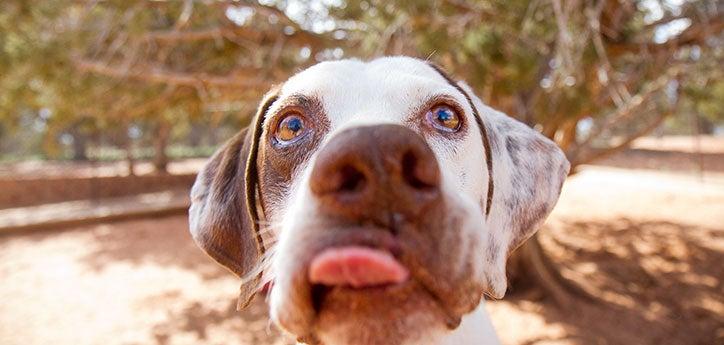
(49, 169)
(648, 244)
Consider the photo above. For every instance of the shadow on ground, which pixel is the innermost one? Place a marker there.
(654, 282)
(172, 246)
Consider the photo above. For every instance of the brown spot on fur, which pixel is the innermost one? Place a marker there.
(277, 165)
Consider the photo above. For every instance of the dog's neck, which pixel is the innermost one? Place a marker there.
(475, 329)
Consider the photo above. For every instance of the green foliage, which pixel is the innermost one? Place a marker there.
(555, 63)
(99, 67)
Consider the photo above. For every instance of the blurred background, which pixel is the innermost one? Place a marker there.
(108, 108)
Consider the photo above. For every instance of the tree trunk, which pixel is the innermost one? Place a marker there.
(160, 141)
(531, 271)
(80, 144)
(194, 137)
(128, 147)
(570, 131)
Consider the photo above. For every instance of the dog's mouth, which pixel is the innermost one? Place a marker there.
(355, 269)
(362, 277)
(368, 269)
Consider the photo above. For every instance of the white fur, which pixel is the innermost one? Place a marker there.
(382, 91)
(388, 91)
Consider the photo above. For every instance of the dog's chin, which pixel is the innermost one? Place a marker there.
(402, 313)
(429, 302)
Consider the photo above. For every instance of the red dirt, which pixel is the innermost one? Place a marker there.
(648, 245)
(45, 169)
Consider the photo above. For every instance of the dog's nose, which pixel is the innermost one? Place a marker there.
(365, 171)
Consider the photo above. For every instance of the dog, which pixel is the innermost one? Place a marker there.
(378, 201)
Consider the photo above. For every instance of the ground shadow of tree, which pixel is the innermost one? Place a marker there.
(162, 241)
(166, 242)
(655, 282)
(201, 321)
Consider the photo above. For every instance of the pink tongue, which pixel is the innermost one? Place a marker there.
(357, 267)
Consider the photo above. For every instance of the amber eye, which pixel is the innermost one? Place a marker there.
(444, 118)
(289, 129)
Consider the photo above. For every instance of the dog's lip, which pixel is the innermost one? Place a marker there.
(321, 292)
(356, 266)
(372, 237)
(362, 236)
(376, 238)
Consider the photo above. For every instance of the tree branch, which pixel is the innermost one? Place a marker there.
(605, 152)
(628, 108)
(156, 75)
(301, 38)
(696, 33)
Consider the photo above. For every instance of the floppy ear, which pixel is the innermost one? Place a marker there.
(528, 171)
(222, 217)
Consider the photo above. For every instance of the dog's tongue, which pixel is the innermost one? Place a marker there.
(357, 267)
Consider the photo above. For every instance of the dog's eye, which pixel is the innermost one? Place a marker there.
(444, 118)
(289, 128)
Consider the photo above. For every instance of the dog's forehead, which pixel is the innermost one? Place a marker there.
(390, 91)
(382, 90)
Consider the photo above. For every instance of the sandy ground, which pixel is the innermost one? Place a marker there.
(681, 143)
(649, 245)
(50, 169)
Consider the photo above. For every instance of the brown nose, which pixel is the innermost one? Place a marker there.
(375, 172)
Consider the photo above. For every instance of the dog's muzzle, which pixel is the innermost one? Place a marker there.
(383, 237)
(376, 174)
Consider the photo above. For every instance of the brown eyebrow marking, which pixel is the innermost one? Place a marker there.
(483, 132)
(251, 176)
(299, 100)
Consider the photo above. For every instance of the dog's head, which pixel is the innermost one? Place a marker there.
(380, 199)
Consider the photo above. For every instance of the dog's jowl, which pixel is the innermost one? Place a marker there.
(380, 201)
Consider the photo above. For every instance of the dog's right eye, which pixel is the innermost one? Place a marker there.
(289, 129)
(444, 118)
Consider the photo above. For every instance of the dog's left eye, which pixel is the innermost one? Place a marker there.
(444, 118)
(289, 128)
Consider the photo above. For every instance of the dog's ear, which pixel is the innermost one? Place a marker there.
(528, 171)
(525, 174)
(222, 216)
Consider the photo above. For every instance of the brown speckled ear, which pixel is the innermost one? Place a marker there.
(223, 217)
(525, 175)
(528, 170)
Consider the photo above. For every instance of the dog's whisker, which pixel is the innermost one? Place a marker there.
(430, 56)
(261, 268)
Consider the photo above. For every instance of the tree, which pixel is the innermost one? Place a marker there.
(591, 75)
(620, 65)
(125, 61)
